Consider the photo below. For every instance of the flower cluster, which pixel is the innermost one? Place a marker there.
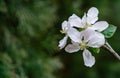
(84, 33)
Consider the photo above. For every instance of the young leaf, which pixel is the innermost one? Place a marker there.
(109, 32)
(95, 50)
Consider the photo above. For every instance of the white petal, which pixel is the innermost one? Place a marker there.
(100, 26)
(64, 25)
(75, 21)
(89, 60)
(84, 19)
(87, 34)
(92, 15)
(75, 43)
(97, 40)
(63, 42)
(92, 12)
(91, 20)
(71, 48)
(74, 35)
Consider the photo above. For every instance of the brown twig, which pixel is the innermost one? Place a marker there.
(109, 48)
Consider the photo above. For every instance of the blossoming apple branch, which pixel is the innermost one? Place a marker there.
(87, 34)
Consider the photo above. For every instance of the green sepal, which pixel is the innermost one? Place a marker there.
(95, 50)
(80, 29)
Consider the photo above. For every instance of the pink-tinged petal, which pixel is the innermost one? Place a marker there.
(89, 60)
(74, 35)
(64, 25)
(100, 26)
(92, 12)
(91, 20)
(97, 40)
(63, 42)
(75, 21)
(71, 48)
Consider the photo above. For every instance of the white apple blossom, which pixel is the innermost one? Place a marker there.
(88, 38)
(64, 30)
(69, 31)
(88, 21)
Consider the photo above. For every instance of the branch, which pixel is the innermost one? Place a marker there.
(109, 48)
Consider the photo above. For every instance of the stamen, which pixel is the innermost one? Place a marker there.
(86, 26)
(63, 31)
(83, 45)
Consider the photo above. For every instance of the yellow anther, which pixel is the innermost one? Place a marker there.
(83, 45)
(86, 26)
(63, 31)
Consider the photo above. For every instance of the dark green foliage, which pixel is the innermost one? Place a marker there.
(27, 34)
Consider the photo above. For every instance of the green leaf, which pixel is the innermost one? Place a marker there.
(95, 50)
(109, 32)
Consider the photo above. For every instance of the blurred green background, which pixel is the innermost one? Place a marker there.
(29, 36)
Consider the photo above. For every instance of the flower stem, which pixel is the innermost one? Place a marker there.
(110, 49)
